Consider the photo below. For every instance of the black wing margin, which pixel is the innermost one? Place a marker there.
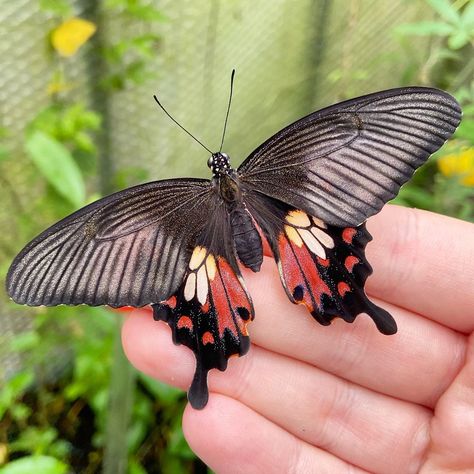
(127, 249)
(344, 162)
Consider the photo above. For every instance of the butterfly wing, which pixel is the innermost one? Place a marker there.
(322, 267)
(344, 162)
(127, 249)
(210, 310)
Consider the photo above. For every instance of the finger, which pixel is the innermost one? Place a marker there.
(421, 351)
(453, 425)
(237, 439)
(425, 263)
(351, 422)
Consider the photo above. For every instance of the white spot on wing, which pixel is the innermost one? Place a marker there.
(324, 238)
(312, 243)
(190, 288)
(201, 285)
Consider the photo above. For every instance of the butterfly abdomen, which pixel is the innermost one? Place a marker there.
(248, 243)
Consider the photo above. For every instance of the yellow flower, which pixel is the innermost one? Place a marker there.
(70, 35)
(459, 164)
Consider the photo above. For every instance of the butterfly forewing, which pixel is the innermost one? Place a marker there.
(344, 162)
(128, 249)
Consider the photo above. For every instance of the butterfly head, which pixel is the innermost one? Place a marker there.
(219, 163)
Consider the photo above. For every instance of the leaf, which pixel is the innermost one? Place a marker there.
(70, 35)
(467, 18)
(31, 464)
(445, 9)
(425, 28)
(466, 130)
(458, 40)
(56, 164)
(57, 7)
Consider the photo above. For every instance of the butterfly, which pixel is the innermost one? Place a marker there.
(176, 244)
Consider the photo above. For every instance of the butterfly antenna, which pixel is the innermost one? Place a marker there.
(228, 108)
(180, 126)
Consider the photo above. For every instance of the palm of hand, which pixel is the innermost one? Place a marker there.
(344, 398)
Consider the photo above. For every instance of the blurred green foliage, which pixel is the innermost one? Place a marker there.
(451, 67)
(53, 414)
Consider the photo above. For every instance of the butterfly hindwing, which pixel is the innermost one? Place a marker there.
(210, 310)
(322, 267)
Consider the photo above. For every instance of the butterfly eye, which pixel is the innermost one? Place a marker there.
(210, 161)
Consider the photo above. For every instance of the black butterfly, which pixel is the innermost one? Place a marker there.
(176, 243)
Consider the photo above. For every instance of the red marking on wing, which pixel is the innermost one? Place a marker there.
(323, 261)
(205, 307)
(228, 294)
(350, 262)
(207, 338)
(348, 234)
(292, 258)
(343, 288)
(237, 295)
(171, 302)
(224, 315)
(185, 322)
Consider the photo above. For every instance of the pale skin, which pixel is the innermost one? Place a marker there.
(344, 398)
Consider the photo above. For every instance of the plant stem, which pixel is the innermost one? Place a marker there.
(121, 393)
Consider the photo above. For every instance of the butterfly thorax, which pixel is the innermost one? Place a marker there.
(247, 240)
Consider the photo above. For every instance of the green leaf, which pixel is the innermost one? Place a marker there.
(467, 18)
(445, 9)
(25, 341)
(459, 39)
(425, 28)
(466, 130)
(56, 164)
(57, 7)
(33, 464)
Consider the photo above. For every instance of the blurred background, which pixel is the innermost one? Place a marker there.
(78, 121)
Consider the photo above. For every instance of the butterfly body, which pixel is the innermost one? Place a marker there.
(306, 192)
(247, 240)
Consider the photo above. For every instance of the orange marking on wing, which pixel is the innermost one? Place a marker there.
(207, 338)
(236, 293)
(289, 265)
(350, 262)
(224, 315)
(205, 307)
(171, 302)
(343, 288)
(185, 322)
(348, 234)
(323, 261)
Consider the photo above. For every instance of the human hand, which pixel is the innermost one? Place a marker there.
(343, 398)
